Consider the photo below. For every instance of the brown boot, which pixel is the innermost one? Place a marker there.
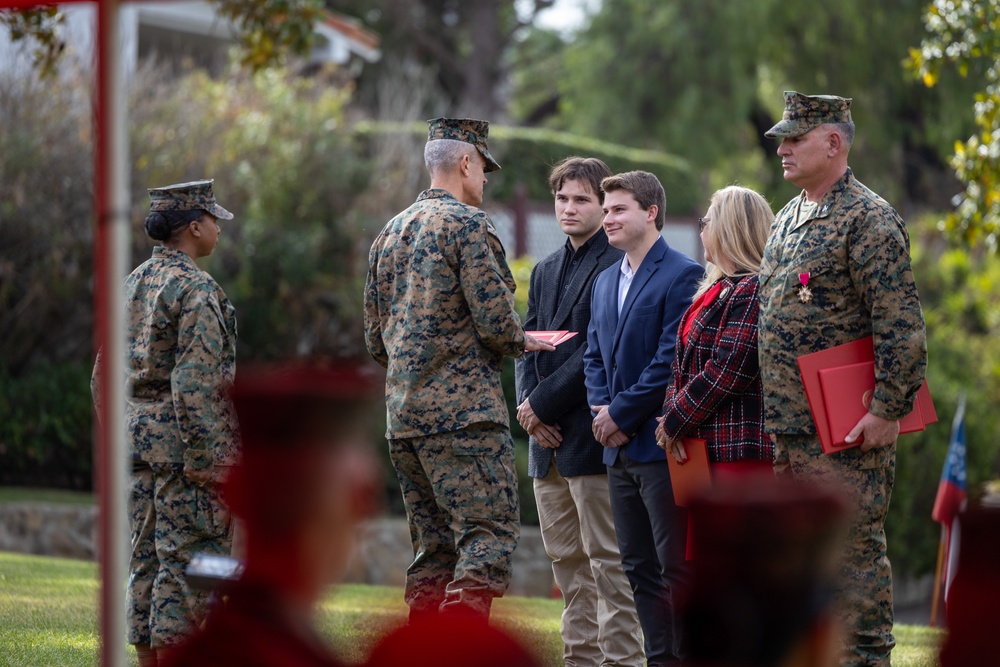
(147, 655)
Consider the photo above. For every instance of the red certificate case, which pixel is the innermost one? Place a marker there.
(554, 337)
(839, 382)
(690, 478)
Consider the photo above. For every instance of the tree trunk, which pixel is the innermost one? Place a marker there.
(483, 69)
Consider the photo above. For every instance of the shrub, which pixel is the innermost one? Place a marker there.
(960, 294)
(45, 225)
(293, 260)
(528, 154)
(45, 433)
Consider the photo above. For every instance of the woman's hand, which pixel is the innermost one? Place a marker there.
(661, 434)
(676, 448)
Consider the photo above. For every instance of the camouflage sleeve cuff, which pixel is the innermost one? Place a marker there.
(891, 410)
(199, 459)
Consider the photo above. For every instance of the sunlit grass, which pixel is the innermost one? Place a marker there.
(48, 618)
(47, 611)
(916, 646)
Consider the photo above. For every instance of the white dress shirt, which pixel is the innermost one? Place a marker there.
(624, 282)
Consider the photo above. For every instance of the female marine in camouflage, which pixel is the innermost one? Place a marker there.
(181, 352)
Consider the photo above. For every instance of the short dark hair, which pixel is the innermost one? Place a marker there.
(645, 188)
(588, 170)
(161, 225)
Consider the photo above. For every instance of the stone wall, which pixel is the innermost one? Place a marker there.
(47, 529)
(384, 553)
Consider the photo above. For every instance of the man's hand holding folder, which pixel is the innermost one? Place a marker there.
(873, 431)
(839, 383)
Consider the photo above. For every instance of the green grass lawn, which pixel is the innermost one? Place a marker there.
(48, 618)
(22, 494)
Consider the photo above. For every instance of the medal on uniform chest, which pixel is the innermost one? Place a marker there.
(805, 294)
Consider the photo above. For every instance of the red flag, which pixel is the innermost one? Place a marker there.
(952, 490)
(950, 500)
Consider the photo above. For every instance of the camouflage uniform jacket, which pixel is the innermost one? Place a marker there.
(439, 316)
(180, 363)
(855, 250)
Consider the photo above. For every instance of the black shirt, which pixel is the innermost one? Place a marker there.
(571, 263)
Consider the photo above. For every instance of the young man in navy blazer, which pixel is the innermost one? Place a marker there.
(570, 480)
(635, 309)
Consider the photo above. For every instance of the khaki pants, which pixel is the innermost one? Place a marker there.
(599, 622)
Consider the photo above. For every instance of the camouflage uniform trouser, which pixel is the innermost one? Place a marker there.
(170, 519)
(460, 493)
(864, 591)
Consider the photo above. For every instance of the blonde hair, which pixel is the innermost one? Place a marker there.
(741, 222)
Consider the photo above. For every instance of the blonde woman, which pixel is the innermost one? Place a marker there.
(716, 390)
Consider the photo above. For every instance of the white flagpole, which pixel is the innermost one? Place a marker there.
(111, 241)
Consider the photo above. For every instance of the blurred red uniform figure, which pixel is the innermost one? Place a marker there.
(450, 640)
(307, 480)
(765, 556)
(973, 604)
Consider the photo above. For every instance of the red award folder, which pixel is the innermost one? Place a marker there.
(839, 383)
(554, 337)
(693, 476)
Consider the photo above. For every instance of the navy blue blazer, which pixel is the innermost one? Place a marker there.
(627, 361)
(553, 381)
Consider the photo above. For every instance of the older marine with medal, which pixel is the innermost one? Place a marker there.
(837, 269)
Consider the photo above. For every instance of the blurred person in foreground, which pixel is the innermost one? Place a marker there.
(308, 478)
(181, 430)
(450, 640)
(439, 316)
(972, 602)
(836, 269)
(765, 561)
(599, 621)
(715, 391)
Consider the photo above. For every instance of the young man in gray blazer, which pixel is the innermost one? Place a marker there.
(599, 623)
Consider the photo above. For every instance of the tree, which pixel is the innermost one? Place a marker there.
(967, 35)
(960, 293)
(40, 26)
(269, 30)
(284, 161)
(464, 42)
(703, 79)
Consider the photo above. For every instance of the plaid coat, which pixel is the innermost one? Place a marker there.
(716, 391)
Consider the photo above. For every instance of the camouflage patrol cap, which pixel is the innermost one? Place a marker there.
(806, 112)
(469, 130)
(187, 197)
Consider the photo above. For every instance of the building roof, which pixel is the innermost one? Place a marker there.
(366, 41)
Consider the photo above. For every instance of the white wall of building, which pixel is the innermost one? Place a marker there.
(545, 237)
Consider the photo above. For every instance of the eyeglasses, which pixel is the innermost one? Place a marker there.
(702, 223)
